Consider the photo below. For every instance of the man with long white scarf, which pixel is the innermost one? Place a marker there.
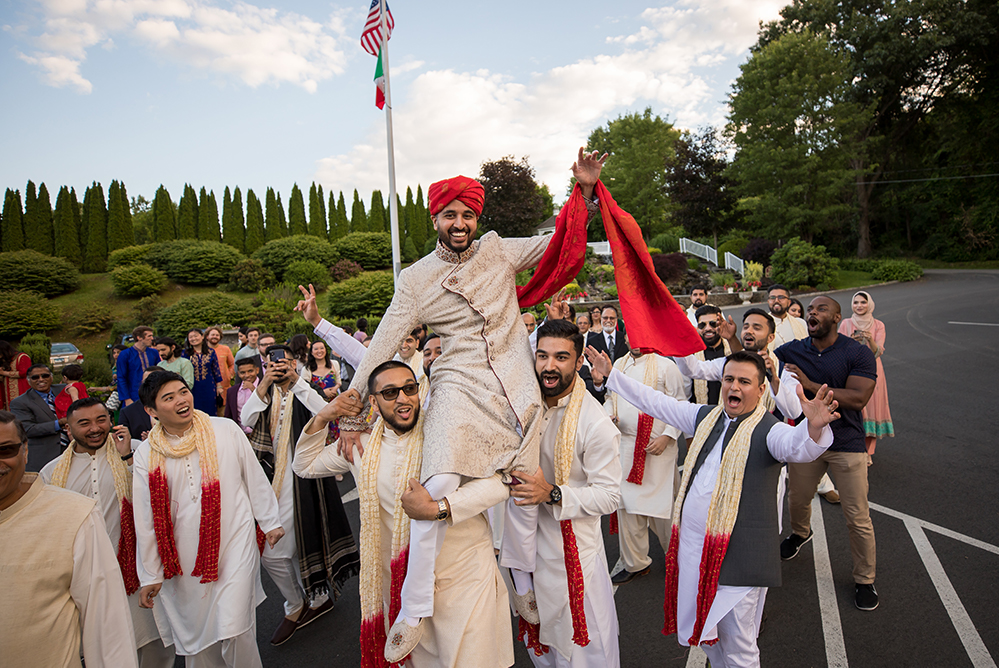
(723, 551)
(98, 465)
(470, 626)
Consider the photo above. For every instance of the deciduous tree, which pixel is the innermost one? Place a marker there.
(513, 207)
(702, 195)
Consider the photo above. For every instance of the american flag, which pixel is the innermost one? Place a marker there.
(371, 38)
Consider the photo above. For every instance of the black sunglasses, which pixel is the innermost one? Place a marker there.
(713, 324)
(391, 393)
(9, 451)
(40, 376)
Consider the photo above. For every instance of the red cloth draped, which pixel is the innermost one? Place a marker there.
(126, 548)
(637, 473)
(467, 191)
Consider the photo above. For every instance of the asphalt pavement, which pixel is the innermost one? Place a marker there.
(934, 506)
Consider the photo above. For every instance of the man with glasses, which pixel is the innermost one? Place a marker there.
(35, 410)
(709, 321)
(789, 328)
(609, 339)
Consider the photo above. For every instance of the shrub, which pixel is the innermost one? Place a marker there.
(611, 291)
(249, 276)
(344, 269)
(273, 309)
(372, 250)
(31, 270)
(694, 263)
(897, 270)
(408, 251)
(654, 251)
(367, 294)
(25, 311)
(38, 347)
(303, 272)
(128, 255)
(277, 255)
(667, 242)
(719, 279)
(373, 321)
(95, 318)
(753, 271)
(733, 246)
(194, 262)
(670, 268)
(96, 372)
(147, 307)
(856, 264)
(137, 280)
(429, 246)
(758, 250)
(800, 263)
(200, 311)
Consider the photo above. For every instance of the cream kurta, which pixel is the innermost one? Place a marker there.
(654, 497)
(200, 615)
(471, 622)
(789, 328)
(90, 475)
(483, 383)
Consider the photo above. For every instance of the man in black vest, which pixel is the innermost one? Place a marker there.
(725, 516)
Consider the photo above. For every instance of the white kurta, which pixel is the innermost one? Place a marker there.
(200, 615)
(654, 497)
(786, 443)
(90, 475)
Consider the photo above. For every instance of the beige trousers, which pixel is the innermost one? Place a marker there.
(633, 538)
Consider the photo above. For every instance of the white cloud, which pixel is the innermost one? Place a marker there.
(447, 122)
(251, 44)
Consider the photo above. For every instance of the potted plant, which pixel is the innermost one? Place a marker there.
(730, 287)
(745, 294)
(755, 285)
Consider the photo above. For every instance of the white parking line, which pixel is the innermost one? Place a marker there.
(974, 542)
(979, 324)
(832, 627)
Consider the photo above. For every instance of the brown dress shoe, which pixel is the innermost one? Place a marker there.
(312, 614)
(284, 631)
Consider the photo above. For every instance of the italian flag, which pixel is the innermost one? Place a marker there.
(379, 83)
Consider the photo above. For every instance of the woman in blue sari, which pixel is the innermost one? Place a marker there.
(207, 374)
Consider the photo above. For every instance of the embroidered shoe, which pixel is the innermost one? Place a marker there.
(867, 597)
(527, 607)
(790, 546)
(402, 640)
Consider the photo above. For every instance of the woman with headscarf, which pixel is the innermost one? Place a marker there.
(864, 328)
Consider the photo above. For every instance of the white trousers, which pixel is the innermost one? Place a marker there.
(156, 655)
(520, 537)
(737, 631)
(633, 538)
(425, 540)
(288, 578)
(238, 652)
(603, 650)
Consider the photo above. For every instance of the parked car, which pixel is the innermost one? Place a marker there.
(63, 354)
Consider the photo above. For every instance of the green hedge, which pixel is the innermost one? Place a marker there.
(304, 272)
(194, 262)
(44, 274)
(37, 347)
(367, 294)
(734, 245)
(250, 276)
(371, 250)
(95, 318)
(800, 264)
(200, 311)
(137, 280)
(128, 255)
(897, 270)
(24, 311)
(280, 253)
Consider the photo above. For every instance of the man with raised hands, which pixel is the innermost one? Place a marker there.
(722, 551)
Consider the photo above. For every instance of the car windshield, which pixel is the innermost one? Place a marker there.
(63, 348)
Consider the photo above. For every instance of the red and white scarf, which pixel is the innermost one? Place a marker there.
(644, 433)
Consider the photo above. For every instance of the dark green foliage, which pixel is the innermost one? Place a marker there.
(277, 255)
(74, 205)
(667, 242)
(126, 230)
(67, 236)
(701, 194)
(96, 373)
(254, 222)
(408, 250)
(670, 269)
(146, 308)
(95, 318)
(304, 272)
(25, 311)
(137, 280)
(296, 212)
(758, 250)
(187, 214)
(358, 218)
(118, 209)
(372, 250)
(208, 216)
(201, 311)
(273, 309)
(333, 233)
(282, 221)
(194, 262)
(513, 205)
(38, 348)
(343, 224)
(799, 263)
(416, 226)
(164, 218)
(44, 274)
(12, 228)
(897, 270)
(341, 270)
(141, 220)
(377, 220)
(128, 255)
(250, 276)
(38, 220)
(429, 247)
(367, 294)
(95, 253)
(317, 212)
(423, 215)
(297, 325)
(733, 245)
(233, 233)
(272, 218)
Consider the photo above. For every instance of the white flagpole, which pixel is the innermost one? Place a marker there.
(393, 208)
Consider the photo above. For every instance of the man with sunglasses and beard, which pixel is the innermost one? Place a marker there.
(709, 319)
(471, 621)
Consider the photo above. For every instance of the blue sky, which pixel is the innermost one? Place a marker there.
(272, 92)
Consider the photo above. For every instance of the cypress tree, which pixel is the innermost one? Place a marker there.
(254, 223)
(408, 250)
(333, 231)
(358, 219)
(317, 214)
(67, 236)
(296, 212)
(343, 224)
(84, 224)
(208, 216)
(376, 214)
(95, 255)
(115, 217)
(28, 220)
(127, 231)
(13, 230)
(232, 232)
(422, 216)
(282, 221)
(164, 220)
(37, 221)
(238, 222)
(272, 224)
(74, 204)
(187, 214)
(322, 213)
(415, 227)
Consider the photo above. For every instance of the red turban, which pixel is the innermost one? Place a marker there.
(467, 191)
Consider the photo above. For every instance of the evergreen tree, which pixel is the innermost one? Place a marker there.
(116, 218)
(422, 216)
(74, 204)
(37, 220)
(343, 224)
(272, 222)
(232, 229)
(95, 254)
(164, 220)
(377, 220)
(322, 213)
(416, 228)
(334, 228)
(84, 223)
(127, 231)
(408, 250)
(208, 216)
(317, 214)
(358, 219)
(187, 214)
(282, 221)
(254, 222)
(67, 236)
(28, 222)
(13, 231)
(296, 212)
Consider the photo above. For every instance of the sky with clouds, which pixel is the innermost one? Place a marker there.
(274, 92)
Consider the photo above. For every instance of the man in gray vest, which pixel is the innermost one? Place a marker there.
(723, 551)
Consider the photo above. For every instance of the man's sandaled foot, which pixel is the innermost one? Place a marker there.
(402, 640)
(527, 606)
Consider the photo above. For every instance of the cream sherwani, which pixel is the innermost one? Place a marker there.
(651, 503)
(789, 328)
(471, 622)
(593, 490)
(91, 476)
(197, 616)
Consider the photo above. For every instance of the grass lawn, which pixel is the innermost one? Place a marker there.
(937, 264)
(851, 279)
